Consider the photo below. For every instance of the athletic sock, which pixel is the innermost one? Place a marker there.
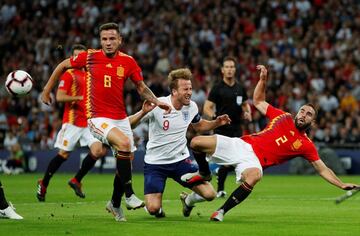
(239, 195)
(53, 166)
(86, 165)
(3, 202)
(128, 189)
(193, 198)
(200, 158)
(118, 191)
(122, 178)
(221, 176)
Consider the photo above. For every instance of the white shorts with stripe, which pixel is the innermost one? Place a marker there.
(70, 135)
(100, 128)
(235, 152)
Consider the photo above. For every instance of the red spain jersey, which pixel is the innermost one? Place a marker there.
(73, 83)
(281, 141)
(105, 79)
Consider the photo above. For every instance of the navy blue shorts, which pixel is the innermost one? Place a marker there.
(155, 175)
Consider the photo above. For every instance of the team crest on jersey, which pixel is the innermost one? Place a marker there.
(120, 71)
(297, 144)
(65, 143)
(185, 115)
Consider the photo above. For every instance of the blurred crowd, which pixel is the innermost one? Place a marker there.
(312, 49)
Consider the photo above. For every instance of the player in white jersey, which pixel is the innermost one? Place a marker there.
(167, 154)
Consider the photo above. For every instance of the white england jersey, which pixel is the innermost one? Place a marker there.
(167, 133)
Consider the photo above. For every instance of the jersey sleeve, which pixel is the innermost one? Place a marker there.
(195, 113)
(135, 73)
(65, 81)
(213, 95)
(245, 96)
(311, 153)
(79, 61)
(273, 112)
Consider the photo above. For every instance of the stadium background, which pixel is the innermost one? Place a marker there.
(311, 48)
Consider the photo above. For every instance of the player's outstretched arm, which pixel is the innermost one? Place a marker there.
(205, 125)
(146, 108)
(45, 95)
(260, 91)
(61, 96)
(147, 94)
(330, 176)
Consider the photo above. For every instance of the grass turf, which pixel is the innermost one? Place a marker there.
(279, 205)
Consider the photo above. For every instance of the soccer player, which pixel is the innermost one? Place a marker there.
(6, 209)
(228, 97)
(107, 69)
(74, 129)
(167, 155)
(284, 138)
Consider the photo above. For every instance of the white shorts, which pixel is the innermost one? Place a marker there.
(235, 152)
(70, 135)
(100, 128)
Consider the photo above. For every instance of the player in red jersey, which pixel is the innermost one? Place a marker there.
(284, 138)
(107, 70)
(74, 129)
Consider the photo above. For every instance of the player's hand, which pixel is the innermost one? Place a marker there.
(46, 98)
(165, 107)
(349, 186)
(223, 120)
(247, 116)
(263, 72)
(147, 106)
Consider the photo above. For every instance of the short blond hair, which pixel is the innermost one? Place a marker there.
(175, 75)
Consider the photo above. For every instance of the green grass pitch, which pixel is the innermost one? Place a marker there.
(279, 205)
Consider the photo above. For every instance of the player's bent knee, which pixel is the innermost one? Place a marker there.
(195, 143)
(209, 195)
(152, 208)
(64, 154)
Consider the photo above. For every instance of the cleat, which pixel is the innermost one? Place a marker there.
(195, 177)
(186, 209)
(76, 186)
(221, 194)
(133, 202)
(41, 191)
(116, 211)
(10, 213)
(217, 215)
(160, 214)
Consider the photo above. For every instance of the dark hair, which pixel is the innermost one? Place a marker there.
(175, 75)
(313, 107)
(109, 26)
(78, 47)
(229, 58)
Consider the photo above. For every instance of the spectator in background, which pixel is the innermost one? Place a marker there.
(16, 162)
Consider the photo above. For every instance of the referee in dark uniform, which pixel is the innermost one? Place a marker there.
(228, 97)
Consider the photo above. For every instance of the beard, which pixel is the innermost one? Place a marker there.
(302, 127)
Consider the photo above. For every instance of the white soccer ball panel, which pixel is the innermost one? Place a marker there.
(19, 83)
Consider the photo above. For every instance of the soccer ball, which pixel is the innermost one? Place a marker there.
(19, 83)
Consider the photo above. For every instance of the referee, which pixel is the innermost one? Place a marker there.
(228, 97)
